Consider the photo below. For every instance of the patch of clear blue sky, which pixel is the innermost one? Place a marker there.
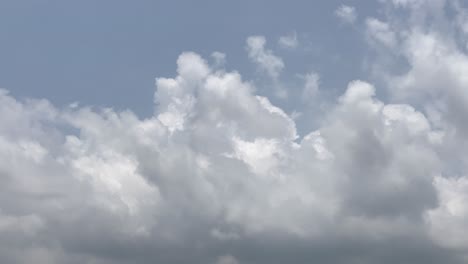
(108, 52)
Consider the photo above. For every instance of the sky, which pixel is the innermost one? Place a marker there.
(233, 132)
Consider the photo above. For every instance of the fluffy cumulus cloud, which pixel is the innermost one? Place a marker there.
(221, 175)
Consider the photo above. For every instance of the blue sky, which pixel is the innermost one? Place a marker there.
(107, 53)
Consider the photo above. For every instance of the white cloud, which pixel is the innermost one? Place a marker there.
(433, 81)
(289, 41)
(219, 174)
(346, 14)
(448, 221)
(311, 86)
(231, 164)
(264, 58)
(381, 32)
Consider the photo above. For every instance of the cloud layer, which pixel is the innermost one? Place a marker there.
(221, 175)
